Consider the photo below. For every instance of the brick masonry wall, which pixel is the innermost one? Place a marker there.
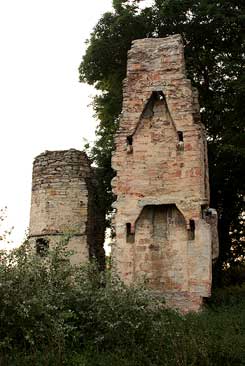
(162, 183)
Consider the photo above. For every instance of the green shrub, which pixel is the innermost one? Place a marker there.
(52, 313)
(33, 300)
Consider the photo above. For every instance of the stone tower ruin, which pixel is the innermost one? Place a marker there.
(165, 231)
(63, 205)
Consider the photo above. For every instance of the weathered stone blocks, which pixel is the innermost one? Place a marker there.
(163, 226)
(63, 205)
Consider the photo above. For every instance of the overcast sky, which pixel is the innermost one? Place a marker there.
(42, 104)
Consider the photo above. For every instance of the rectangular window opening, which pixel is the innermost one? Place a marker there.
(130, 140)
(129, 144)
(191, 230)
(204, 211)
(130, 236)
(42, 246)
(180, 136)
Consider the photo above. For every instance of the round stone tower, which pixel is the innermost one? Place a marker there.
(61, 202)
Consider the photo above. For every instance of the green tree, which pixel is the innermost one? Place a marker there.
(213, 36)
(104, 66)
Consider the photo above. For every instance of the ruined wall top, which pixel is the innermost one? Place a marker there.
(158, 54)
(59, 192)
(59, 166)
(158, 65)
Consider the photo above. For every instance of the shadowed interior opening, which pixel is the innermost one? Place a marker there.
(191, 231)
(130, 236)
(180, 136)
(42, 246)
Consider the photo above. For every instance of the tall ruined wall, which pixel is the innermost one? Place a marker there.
(63, 204)
(162, 183)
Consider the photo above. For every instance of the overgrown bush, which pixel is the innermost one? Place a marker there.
(52, 313)
(33, 295)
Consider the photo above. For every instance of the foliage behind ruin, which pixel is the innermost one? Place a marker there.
(214, 51)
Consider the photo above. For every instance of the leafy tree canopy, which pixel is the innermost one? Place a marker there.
(213, 34)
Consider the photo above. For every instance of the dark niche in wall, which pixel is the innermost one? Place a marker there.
(42, 246)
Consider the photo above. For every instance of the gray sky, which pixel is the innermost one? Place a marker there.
(42, 104)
